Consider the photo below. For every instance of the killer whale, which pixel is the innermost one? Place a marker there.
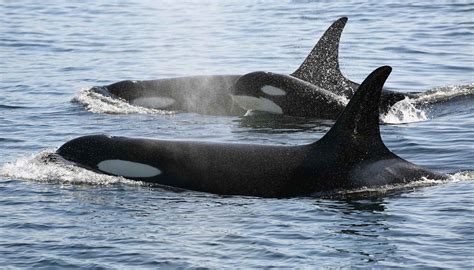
(211, 94)
(283, 94)
(350, 155)
(198, 94)
(320, 70)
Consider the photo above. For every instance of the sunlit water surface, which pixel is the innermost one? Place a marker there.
(64, 216)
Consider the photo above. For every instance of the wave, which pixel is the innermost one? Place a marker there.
(3, 106)
(9, 140)
(410, 110)
(44, 167)
(403, 112)
(444, 93)
(395, 189)
(98, 100)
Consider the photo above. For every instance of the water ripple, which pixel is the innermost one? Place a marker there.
(62, 216)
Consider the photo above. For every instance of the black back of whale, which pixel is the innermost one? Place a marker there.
(211, 94)
(199, 94)
(351, 154)
(320, 70)
(298, 98)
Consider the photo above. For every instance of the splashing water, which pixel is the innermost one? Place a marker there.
(463, 176)
(408, 111)
(444, 93)
(37, 168)
(98, 100)
(403, 111)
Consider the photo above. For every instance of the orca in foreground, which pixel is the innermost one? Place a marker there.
(288, 94)
(211, 94)
(350, 155)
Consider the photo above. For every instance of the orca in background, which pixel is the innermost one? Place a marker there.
(206, 94)
(211, 94)
(350, 155)
(321, 68)
(288, 94)
(283, 94)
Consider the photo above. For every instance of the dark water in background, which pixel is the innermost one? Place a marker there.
(53, 216)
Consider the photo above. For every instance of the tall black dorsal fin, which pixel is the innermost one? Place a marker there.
(321, 66)
(358, 124)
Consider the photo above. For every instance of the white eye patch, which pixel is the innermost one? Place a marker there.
(273, 91)
(127, 168)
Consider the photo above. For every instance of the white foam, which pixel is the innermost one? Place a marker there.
(98, 100)
(445, 93)
(36, 168)
(462, 176)
(402, 112)
(406, 111)
(342, 99)
(127, 168)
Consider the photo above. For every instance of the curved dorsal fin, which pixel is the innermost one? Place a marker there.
(358, 124)
(321, 66)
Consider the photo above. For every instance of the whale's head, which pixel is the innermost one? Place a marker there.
(261, 91)
(111, 155)
(86, 150)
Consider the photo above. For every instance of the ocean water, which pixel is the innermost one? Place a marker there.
(57, 216)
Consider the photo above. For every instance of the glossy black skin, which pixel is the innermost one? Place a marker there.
(199, 94)
(210, 94)
(301, 99)
(350, 155)
(321, 68)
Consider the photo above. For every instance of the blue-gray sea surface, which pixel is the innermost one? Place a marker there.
(54, 216)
